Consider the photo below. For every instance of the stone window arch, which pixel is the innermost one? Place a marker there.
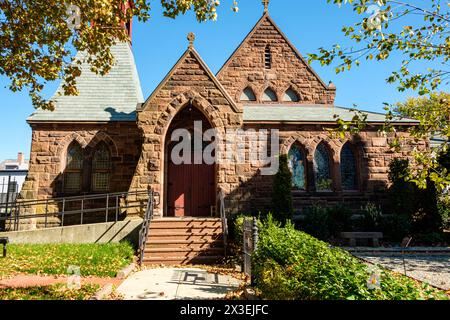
(291, 96)
(73, 172)
(297, 164)
(248, 95)
(322, 168)
(349, 175)
(101, 168)
(269, 96)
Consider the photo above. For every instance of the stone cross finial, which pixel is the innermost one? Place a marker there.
(191, 38)
(266, 5)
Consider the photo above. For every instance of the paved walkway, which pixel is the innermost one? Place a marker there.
(433, 269)
(177, 283)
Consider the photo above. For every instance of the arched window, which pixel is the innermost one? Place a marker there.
(101, 168)
(322, 169)
(291, 96)
(269, 95)
(348, 168)
(297, 165)
(248, 95)
(74, 167)
(267, 58)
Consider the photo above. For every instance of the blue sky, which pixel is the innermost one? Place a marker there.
(159, 43)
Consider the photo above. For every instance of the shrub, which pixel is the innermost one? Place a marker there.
(282, 192)
(292, 265)
(395, 227)
(316, 222)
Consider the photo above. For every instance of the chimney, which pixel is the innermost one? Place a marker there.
(20, 159)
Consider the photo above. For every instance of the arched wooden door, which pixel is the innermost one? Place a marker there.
(190, 186)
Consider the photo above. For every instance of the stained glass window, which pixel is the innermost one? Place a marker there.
(291, 96)
(269, 95)
(348, 168)
(248, 95)
(73, 171)
(101, 166)
(322, 168)
(297, 166)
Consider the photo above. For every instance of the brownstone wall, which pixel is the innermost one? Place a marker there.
(49, 147)
(373, 156)
(190, 82)
(247, 68)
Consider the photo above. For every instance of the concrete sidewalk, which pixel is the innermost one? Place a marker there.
(177, 284)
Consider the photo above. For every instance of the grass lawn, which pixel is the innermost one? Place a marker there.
(103, 260)
(54, 292)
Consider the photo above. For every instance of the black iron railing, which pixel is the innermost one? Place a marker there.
(223, 217)
(148, 217)
(54, 212)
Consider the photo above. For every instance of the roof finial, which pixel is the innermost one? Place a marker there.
(266, 5)
(191, 38)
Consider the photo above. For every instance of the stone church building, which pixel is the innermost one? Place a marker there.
(110, 138)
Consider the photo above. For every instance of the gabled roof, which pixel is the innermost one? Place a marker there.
(109, 98)
(191, 50)
(302, 113)
(267, 17)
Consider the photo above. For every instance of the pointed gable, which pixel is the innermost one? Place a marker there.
(191, 74)
(266, 58)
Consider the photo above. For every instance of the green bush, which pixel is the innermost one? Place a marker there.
(238, 224)
(282, 192)
(292, 265)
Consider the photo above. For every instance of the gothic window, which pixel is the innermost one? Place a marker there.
(101, 169)
(322, 169)
(248, 95)
(291, 96)
(297, 166)
(74, 168)
(348, 168)
(267, 58)
(269, 95)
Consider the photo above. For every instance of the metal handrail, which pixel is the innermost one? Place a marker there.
(17, 210)
(223, 217)
(148, 217)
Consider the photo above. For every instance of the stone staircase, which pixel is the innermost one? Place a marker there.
(173, 241)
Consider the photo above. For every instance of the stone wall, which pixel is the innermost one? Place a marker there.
(246, 68)
(373, 156)
(190, 83)
(48, 153)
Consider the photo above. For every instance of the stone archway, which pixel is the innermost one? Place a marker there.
(190, 184)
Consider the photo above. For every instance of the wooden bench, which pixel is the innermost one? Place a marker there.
(4, 241)
(352, 236)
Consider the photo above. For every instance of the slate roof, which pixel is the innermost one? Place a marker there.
(113, 97)
(308, 113)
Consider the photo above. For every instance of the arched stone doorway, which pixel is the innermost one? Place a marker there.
(190, 182)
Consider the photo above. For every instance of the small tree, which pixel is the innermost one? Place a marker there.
(282, 192)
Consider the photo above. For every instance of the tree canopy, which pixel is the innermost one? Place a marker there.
(39, 39)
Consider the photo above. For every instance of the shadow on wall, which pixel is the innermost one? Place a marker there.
(97, 168)
(253, 195)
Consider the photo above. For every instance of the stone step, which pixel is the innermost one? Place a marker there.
(182, 252)
(168, 261)
(183, 236)
(196, 244)
(184, 232)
